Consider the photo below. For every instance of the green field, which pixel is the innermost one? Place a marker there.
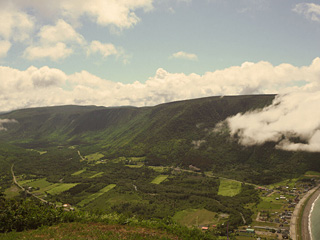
(136, 159)
(313, 173)
(78, 172)
(196, 217)
(112, 198)
(267, 205)
(25, 182)
(96, 195)
(159, 179)
(135, 166)
(229, 187)
(38, 183)
(270, 202)
(97, 175)
(94, 157)
(159, 169)
(44, 186)
(11, 192)
(288, 182)
(61, 187)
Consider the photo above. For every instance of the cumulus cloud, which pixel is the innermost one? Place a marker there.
(106, 50)
(55, 42)
(120, 14)
(61, 32)
(22, 83)
(309, 10)
(15, 24)
(47, 86)
(53, 52)
(184, 55)
(6, 121)
(61, 39)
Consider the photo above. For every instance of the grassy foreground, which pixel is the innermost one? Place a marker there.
(78, 231)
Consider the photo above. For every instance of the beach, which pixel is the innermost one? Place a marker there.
(305, 217)
(305, 235)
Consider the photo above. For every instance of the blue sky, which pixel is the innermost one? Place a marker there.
(107, 48)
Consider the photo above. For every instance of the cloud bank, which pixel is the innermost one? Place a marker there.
(46, 86)
(290, 117)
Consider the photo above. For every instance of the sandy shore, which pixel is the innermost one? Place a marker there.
(305, 216)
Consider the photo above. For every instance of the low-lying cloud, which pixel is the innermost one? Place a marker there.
(292, 121)
(6, 121)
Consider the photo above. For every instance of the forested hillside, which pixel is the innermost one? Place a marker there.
(175, 134)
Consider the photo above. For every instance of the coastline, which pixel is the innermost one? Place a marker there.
(305, 221)
(310, 213)
(304, 204)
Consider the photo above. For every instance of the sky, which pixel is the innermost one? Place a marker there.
(147, 52)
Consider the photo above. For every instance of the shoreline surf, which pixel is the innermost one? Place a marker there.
(310, 214)
(305, 222)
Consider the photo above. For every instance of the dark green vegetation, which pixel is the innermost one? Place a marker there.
(22, 215)
(28, 214)
(150, 163)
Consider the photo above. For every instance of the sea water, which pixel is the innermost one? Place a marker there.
(315, 219)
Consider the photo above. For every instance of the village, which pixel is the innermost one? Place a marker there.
(274, 214)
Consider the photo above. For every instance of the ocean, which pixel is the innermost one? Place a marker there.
(315, 220)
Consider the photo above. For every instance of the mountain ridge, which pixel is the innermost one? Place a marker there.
(172, 134)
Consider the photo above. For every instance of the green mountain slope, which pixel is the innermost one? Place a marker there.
(174, 134)
(173, 120)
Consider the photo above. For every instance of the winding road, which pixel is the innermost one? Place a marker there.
(25, 190)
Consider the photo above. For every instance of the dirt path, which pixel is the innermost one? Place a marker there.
(304, 221)
(82, 158)
(270, 193)
(25, 190)
(258, 217)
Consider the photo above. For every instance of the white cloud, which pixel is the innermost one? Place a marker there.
(55, 42)
(15, 82)
(310, 10)
(120, 14)
(295, 115)
(106, 50)
(4, 48)
(46, 86)
(107, 12)
(184, 55)
(15, 25)
(61, 32)
(53, 52)
(6, 121)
